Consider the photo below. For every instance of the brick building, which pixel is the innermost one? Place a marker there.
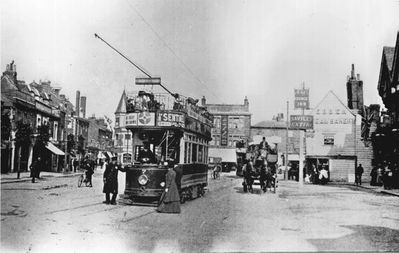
(34, 104)
(232, 123)
(278, 128)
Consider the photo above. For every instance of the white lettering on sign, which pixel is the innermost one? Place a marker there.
(335, 121)
(131, 119)
(170, 119)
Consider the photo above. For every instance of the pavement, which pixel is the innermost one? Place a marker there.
(25, 176)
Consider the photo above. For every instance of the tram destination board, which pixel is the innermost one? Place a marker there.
(301, 121)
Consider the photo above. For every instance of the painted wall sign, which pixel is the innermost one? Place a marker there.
(224, 130)
(301, 121)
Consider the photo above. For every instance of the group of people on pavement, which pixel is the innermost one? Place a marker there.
(318, 175)
(386, 175)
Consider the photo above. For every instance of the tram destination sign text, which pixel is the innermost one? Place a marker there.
(301, 121)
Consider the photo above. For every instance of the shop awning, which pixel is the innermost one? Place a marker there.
(110, 154)
(227, 154)
(50, 146)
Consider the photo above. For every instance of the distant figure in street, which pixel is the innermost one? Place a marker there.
(35, 168)
(358, 174)
(373, 175)
(75, 164)
(89, 171)
(111, 181)
(170, 199)
(387, 177)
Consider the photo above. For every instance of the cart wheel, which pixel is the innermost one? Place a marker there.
(80, 181)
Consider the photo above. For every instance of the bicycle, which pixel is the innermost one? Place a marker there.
(83, 179)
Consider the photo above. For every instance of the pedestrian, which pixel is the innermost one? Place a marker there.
(89, 171)
(373, 175)
(110, 179)
(323, 175)
(380, 175)
(358, 174)
(170, 199)
(35, 168)
(75, 164)
(387, 177)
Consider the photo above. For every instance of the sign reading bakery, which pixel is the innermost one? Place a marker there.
(332, 115)
(170, 119)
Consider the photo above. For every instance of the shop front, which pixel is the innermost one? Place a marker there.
(336, 143)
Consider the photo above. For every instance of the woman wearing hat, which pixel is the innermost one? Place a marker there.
(170, 199)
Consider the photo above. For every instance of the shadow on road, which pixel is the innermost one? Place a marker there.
(363, 238)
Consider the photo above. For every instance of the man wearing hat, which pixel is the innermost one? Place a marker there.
(111, 181)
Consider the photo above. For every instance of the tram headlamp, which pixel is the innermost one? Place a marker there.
(162, 184)
(143, 179)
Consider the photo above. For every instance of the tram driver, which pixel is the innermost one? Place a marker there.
(146, 155)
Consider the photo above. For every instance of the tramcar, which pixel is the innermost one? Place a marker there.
(167, 131)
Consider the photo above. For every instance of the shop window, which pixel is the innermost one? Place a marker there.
(328, 140)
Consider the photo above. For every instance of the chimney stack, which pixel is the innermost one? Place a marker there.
(77, 105)
(203, 101)
(83, 106)
(354, 88)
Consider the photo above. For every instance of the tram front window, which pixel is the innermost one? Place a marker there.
(146, 155)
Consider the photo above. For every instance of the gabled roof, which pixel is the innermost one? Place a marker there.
(8, 83)
(122, 104)
(334, 96)
(388, 53)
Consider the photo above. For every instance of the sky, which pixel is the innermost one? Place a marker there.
(223, 50)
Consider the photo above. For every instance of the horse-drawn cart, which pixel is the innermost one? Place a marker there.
(260, 169)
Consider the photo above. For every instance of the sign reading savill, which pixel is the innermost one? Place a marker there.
(224, 130)
(301, 121)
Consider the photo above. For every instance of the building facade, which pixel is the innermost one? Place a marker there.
(386, 138)
(335, 142)
(276, 130)
(36, 106)
(231, 130)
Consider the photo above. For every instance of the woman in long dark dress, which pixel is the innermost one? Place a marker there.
(171, 199)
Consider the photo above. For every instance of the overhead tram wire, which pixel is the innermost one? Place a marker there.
(134, 64)
(172, 51)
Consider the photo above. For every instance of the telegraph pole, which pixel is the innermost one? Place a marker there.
(286, 145)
